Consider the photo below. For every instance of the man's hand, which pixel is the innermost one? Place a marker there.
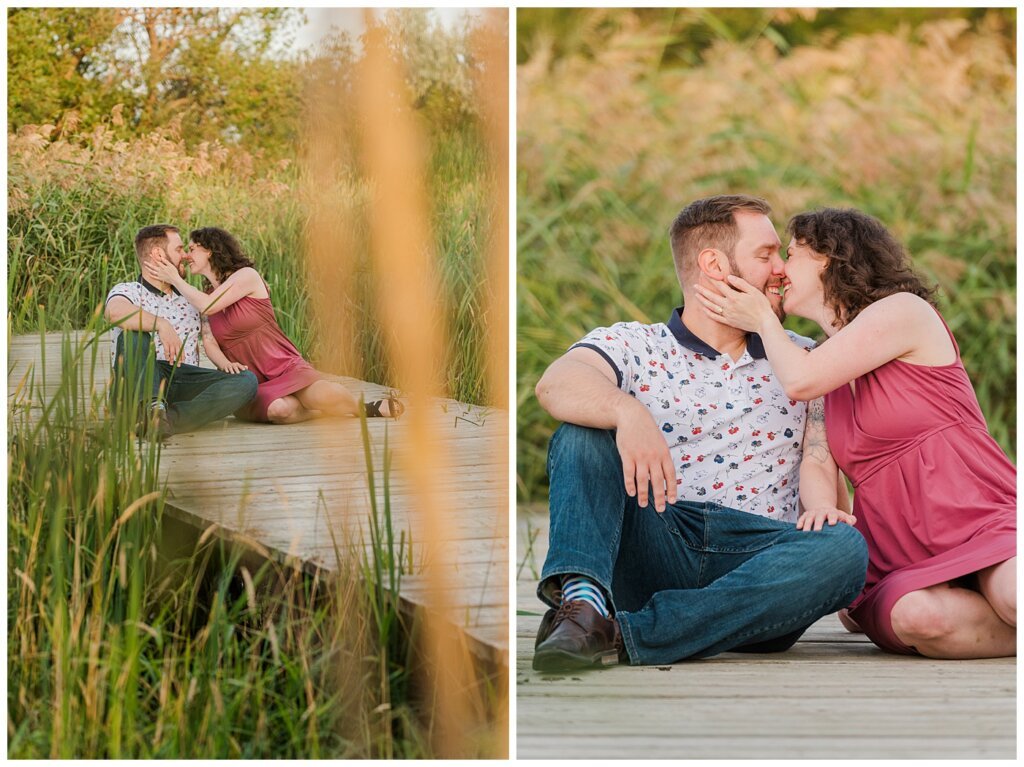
(645, 456)
(815, 519)
(169, 339)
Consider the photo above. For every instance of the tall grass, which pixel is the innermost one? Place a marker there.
(77, 201)
(916, 129)
(129, 640)
(145, 649)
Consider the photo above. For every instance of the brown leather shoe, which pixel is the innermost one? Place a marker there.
(545, 626)
(576, 637)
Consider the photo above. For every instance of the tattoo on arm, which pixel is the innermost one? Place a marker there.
(815, 438)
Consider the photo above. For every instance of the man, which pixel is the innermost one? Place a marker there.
(675, 477)
(155, 347)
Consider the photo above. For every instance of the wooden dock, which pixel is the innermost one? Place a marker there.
(302, 491)
(832, 696)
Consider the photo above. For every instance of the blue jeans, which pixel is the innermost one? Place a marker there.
(698, 579)
(194, 396)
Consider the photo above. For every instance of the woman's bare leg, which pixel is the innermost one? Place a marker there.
(333, 399)
(946, 621)
(288, 409)
(998, 585)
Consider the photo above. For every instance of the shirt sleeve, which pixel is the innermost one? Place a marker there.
(621, 346)
(803, 341)
(129, 290)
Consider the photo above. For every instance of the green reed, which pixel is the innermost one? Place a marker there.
(611, 147)
(70, 239)
(128, 641)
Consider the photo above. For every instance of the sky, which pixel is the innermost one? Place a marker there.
(320, 21)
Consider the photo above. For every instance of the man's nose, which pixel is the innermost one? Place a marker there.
(778, 265)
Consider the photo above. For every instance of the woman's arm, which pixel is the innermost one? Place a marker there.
(214, 353)
(890, 328)
(236, 287)
(822, 489)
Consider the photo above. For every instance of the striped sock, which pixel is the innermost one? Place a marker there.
(581, 587)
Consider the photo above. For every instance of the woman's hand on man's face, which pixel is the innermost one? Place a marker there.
(159, 269)
(736, 302)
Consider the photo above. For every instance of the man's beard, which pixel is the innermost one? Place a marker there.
(779, 311)
(776, 307)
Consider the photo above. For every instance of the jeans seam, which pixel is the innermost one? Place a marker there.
(738, 638)
(627, 639)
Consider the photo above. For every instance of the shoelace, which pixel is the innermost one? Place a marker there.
(565, 610)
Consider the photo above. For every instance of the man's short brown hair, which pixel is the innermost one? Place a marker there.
(150, 237)
(709, 223)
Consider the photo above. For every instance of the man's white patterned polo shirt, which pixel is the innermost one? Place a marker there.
(172, 306)
(735, 437)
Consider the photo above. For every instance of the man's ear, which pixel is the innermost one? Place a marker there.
(713, 263)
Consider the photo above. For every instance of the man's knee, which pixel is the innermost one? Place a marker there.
(581, 445)
(921, 616)
(843, 554)
(249, 384)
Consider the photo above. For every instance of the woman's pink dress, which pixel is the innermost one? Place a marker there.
(247, 332)
(935, 495)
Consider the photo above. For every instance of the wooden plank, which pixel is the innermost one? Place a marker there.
(285, 489)
(738, 745)
(834, 695)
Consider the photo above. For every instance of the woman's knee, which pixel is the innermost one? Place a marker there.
(999, 587)
(921, 616)
(282, 409)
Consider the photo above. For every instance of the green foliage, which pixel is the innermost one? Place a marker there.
(214, 74)
(54, 64)
(682, 36)
(128, 639)
(77, 201)
(206, 70)
(611, 144)
(438, 65)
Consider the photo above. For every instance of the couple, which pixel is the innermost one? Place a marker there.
(260, 374)
(677, 477)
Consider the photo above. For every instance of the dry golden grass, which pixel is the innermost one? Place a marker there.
(915, 127)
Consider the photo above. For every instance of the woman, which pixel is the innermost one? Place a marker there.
(236, 310)
(935, 495)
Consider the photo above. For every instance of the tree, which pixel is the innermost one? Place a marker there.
(55, 63)
(208, 70)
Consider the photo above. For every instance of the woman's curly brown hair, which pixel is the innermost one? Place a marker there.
(865, 262)
(226, 255)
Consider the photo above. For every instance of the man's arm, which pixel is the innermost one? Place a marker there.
(580, 387)
(126, 315)
(822, 489)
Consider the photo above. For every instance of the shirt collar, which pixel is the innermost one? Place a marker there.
(755, 347)
(153, 289)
